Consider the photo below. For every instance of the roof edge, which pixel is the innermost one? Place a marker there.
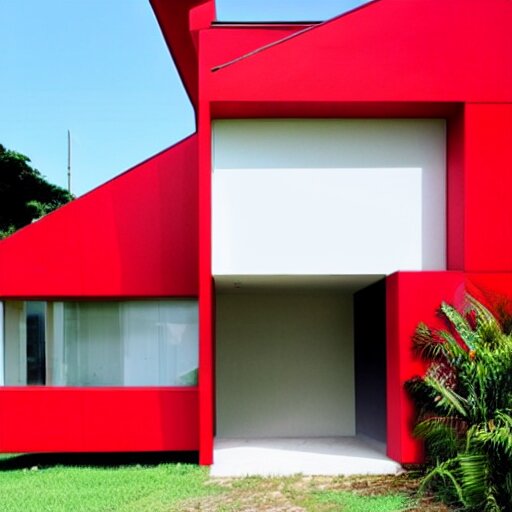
(189, 138)
(294, 35)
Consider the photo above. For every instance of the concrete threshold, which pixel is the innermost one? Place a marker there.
(307, 456)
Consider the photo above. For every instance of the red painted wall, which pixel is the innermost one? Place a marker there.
(135, 236)
(54, 419)
(228, 43)
(414, 297)
(390, 58)
(206, 289)
(494, 290)
(387, 51)
(487, 187)
(455, 190)
(411, 297)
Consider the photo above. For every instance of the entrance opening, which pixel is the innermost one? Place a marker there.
(300, 375)
(370, 362)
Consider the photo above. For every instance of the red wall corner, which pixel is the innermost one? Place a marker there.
(411, 297)
(487, 185)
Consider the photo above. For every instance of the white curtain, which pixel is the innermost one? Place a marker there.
(160, 343)
(139, 343)
(92, 344)
(55, 368)
(15, 343)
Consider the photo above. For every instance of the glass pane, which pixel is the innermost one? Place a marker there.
(160, 343)
(92, 344)
(132, 343)
(36, 359)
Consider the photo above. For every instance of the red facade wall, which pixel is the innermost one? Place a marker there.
(455, 190)
(56, 419)
(386, 59)
(135, 236)
(386, 51)
(411, 297)
(487, 186)
(228, 43)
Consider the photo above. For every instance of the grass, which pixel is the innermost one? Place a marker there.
(46, 484)
(101, 489)
(345, 500)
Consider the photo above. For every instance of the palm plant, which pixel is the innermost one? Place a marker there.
(464, 404)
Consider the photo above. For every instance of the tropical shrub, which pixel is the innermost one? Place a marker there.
(464, 405)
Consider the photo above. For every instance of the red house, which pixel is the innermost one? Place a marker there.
(262, 278)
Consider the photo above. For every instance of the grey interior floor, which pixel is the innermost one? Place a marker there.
(309, 456)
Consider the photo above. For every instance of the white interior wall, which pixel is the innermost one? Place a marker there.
(284, 365)
(328, 196)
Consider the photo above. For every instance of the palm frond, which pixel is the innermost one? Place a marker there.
(426, 344)
(483, 314)
(473, 470)
(454, 353)
(441, 435)
(496, 435)
(443, 473)
(447, 399)
(491, 502)
(460, 324)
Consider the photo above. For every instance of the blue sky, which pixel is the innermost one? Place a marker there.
(100, 68)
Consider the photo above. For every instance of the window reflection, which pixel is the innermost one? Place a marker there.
(132, 343)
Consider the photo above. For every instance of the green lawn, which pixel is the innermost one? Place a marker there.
(97, 489)
(343, 500)
(160, 487)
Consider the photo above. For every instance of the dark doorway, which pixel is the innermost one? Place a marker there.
(370, 360)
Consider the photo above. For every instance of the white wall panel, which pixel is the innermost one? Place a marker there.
(328, 196)
(284, 365)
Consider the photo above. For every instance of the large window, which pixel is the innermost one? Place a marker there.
(133, 343)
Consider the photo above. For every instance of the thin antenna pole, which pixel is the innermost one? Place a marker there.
(69, 161)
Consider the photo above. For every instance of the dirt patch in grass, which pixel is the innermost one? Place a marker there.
(322, 494)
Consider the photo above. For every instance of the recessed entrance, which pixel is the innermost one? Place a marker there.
(289, 376)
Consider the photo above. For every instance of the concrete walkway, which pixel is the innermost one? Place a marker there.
(310, 456)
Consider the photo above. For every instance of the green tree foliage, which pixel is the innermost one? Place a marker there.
(24, 193)
(464, 405)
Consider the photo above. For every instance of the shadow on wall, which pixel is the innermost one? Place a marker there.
(104, 460)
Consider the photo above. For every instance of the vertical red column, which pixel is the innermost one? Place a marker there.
(206, 290)
(206, 362)
(487, 186)
(411, 297)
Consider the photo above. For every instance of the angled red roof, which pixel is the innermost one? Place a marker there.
(142, 223)
(180, 21)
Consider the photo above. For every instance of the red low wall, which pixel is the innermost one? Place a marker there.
(412, 297)
(56, 419)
